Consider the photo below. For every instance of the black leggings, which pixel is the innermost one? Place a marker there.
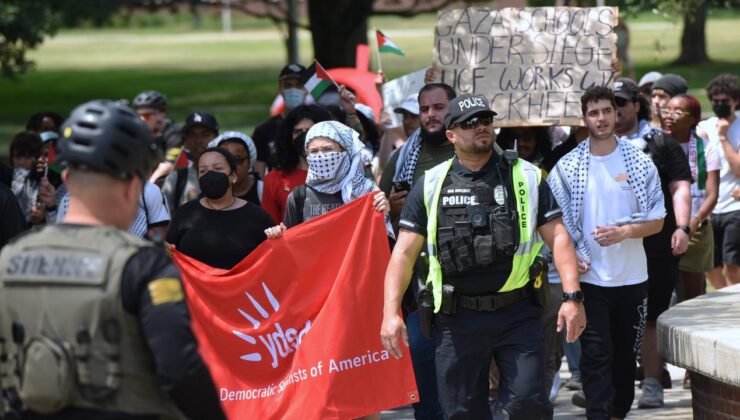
(616, 324)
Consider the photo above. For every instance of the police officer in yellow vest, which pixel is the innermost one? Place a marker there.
(484, 216)
(100, 315)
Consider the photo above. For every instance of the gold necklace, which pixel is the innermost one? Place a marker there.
(233, 200)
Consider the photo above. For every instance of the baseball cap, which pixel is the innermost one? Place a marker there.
(238, 136)
(410, 104)
(649, 78)
(466, 106)
(292, 70)
(626, 88)
(200, 118)
(673, 84)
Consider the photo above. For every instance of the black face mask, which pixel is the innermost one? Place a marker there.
(214, 184)
(722, 110)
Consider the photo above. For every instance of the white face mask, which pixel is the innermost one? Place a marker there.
(293, 97)
(327, 166)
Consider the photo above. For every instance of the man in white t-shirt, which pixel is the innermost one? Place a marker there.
(723, 131)
(611, 198)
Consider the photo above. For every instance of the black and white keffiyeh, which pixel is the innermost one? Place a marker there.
(349, 174)
(408, 155)
(568, 182)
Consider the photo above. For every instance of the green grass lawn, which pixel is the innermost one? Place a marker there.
(234, 75)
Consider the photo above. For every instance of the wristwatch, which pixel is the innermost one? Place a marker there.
(684, 228)
(576, 296)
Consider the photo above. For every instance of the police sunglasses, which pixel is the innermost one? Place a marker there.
(473, 122)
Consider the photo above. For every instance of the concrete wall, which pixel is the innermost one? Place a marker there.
(703, 336)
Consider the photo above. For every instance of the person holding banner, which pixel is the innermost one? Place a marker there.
(335, 176)
(114, 340)
(219, 229)
(483, 215)
(290, 166)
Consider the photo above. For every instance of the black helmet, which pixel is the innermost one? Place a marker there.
(150, 99)
(104, 136)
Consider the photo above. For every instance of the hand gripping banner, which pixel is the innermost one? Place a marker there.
(293, 331)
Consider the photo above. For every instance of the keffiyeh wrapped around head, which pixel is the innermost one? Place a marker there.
(348, 172)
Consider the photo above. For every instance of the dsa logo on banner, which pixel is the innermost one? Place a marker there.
(293, 330)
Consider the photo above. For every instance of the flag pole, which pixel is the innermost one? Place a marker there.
(377, 51)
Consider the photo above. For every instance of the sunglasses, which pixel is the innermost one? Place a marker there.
(473, 122)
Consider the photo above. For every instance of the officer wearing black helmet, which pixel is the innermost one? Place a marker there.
(152, 108)
(98, 315)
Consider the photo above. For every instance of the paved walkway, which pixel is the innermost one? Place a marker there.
(677, 403)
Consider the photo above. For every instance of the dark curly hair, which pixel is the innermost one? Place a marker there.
(25, 144)
(724, 83)
(372, 136)
(595, 94)
(34, 123)
(286, 155)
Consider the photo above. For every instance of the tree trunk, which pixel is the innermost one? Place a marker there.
(337, 26)
(693, 39)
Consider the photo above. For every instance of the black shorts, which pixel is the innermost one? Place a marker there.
(726, 228)
(662, 279)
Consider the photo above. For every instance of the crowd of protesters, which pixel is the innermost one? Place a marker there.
(216, 195)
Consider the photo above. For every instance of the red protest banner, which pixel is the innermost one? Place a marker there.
(293, 330)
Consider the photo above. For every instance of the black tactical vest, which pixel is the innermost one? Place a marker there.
(476, 226)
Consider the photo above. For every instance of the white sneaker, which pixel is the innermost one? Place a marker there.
(652, 394)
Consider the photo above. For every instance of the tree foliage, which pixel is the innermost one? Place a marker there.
(23, 26)
(694, 15)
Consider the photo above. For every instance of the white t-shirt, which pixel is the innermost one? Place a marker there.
(727, 179)
(610, 197)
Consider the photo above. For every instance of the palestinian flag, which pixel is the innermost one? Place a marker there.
(386, 45)
(182, 160)
(317, 80)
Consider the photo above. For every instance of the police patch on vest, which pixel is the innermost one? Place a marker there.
(166, 290)
(56, 266)
(499, 195)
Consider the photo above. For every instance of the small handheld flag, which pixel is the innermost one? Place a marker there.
(317, 80)
(387, 46)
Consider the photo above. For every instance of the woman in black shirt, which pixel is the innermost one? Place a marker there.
(218, 229)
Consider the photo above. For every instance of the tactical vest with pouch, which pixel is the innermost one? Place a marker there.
(475, 228)
(79, 347)
(449, 249)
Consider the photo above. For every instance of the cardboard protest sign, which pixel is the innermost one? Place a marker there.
(532, 64)
(396, 90)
